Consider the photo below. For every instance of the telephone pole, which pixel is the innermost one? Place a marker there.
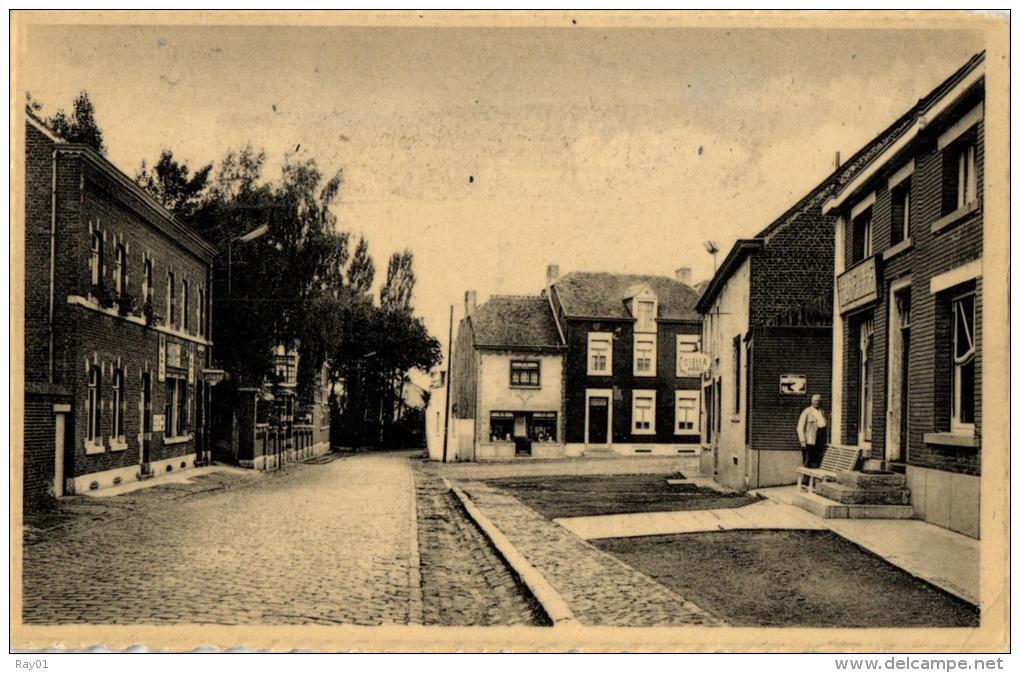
(449, 385)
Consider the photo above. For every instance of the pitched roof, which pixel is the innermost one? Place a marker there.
(602, 295)
(515, 322)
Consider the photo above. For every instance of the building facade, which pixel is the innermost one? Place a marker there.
(632, 362)
(117, 326)
(907, 355)
(506, 382)
(767, 335)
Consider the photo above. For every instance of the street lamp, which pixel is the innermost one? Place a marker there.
(712, 249)
(257, 232)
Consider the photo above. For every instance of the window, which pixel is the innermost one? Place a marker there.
(120, 279)
(900, 230)
(964, 352)
(643, 412)
(118, 404)
(146, 403)
(147, 282)
(543, 426)
(737, 347)
(171, 299)
(862, 244)
(94, 405)
(96, 264)
(501, 426)
(524, 373)
(201, 311)
(688, 404)
(644, 354)
(600, 353)
(959, 174)
(185, 312)
(644, 311)
(176, 420)
(867, 338)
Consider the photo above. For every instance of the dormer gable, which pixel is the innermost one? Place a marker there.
(643, 305)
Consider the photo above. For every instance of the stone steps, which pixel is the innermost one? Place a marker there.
(831, 509)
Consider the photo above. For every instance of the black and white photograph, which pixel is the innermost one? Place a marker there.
(493, 331)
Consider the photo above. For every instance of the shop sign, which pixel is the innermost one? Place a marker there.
(691, 364)
(792, 384)
(162, 358)
(858, 286)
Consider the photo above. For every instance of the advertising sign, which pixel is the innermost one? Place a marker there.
(792, 384)
(691, 364)
(161, 374)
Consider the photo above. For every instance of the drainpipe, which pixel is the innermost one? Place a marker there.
(53, 258)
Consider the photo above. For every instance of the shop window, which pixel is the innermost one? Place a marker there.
(865, 374)
(543, 426)
(501, 426)
(644, 355)
(964, 352)
(643, 412)
(688, 412)
(600, 353)
(900, 230)
(524, 373)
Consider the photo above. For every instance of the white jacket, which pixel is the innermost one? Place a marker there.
(811, 420)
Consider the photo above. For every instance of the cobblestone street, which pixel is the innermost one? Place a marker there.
(327, 543)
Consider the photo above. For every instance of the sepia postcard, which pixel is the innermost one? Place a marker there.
(419, 331)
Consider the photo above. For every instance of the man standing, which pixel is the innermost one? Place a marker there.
(811, 430)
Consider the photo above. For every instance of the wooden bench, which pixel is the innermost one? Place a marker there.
(835, 460)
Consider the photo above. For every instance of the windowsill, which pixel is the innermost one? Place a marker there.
(686, 433)
(968, 441)
(891, 252)
(642, 432)
(734, 418)
(644, 375)
(90, 302)
(602, 374)
(177, 440)
(952, 218)
(92, 449)
(118, 445)
(521, 386)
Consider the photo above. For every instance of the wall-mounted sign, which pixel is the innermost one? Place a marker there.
(162, 358)
(191, 365)
(173, 355)
(158, 422)
(792, 384)
(858, 286)
(691, 364)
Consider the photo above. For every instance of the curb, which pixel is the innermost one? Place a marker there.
(555, 607)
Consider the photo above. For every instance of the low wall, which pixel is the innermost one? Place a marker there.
(946, 499)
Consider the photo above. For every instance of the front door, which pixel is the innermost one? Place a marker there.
(899, 359)
(598, 420)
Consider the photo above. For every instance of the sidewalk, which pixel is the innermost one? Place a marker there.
(938, 556)
(180, 477)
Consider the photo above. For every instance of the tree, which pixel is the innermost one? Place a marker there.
(173, 185)
(80, 126)
(398, 290)
(361, 271)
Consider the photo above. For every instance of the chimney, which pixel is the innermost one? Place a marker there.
(470, 298)
(552, 272)
(683, 275)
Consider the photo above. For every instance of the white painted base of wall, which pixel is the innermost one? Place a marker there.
(657, 449)
(105, 479)
(573, 450)
(507, 451)
(946, 499)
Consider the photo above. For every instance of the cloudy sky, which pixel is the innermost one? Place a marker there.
(491, 153)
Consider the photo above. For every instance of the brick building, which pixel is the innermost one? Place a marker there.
(768, 337)
(117, 329)
(907, 355)
(631, 384)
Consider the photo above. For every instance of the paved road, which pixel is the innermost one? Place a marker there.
(328, 543)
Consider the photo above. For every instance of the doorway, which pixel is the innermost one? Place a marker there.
(598, 420)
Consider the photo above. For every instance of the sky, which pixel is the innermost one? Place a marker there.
(493, 152)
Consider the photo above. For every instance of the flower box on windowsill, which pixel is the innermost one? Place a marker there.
(952, 218)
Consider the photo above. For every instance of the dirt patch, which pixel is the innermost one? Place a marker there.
(596, 495)
(790, 578)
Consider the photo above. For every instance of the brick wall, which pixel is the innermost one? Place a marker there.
(796, 263)
(623, 382)
(464, 374)
(38, 186)
(786, 350)
(930, 368)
